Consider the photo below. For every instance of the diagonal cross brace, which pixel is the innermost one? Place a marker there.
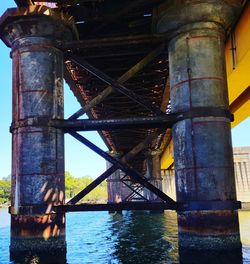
(132, 153)
(116, 85)
(125, 77)
(128, 170)
(92, 185)
(134, 191)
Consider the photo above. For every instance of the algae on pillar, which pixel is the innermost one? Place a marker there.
(34, 35)
(202, 145)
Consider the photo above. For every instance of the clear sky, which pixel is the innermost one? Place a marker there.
(78, 159)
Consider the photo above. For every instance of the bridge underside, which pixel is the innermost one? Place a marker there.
(119, 69)
(120, 59)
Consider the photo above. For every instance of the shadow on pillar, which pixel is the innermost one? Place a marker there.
(38, 239)
(37, 149)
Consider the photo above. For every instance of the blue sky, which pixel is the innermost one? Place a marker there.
(78, 159)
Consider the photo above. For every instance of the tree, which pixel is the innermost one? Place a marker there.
(74, 185)
(5, 190)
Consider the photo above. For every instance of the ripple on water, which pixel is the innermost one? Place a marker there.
(134, 237)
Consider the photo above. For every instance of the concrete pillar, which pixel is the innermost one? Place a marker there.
(202, 145)
(168, 183)
(153, 173)
(37, 149)
(117, 191)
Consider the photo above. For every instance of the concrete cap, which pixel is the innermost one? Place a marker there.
(17, 23)
(172, 15)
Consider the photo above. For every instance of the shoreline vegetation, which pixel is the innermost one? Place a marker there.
(73, 185)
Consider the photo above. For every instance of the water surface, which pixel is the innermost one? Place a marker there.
(133, 237)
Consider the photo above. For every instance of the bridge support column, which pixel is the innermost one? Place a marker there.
(114, 183)
(117, 190)
(153, 173)
(202, 145)
(37, 151)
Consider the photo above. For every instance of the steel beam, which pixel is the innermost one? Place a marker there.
(116, 124)
(125, 77)
(134, 192)
(92, 185)
(114, 41)
(165, 121)
(116, 85)
(243, 98)
(121, 11)
(137, 149)
(114, 207)
(132, 173)
(74, 88)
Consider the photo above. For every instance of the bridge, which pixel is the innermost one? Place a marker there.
(143, 72)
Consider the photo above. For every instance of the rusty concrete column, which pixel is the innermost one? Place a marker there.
(37, 150)
(117, 190)
(153, 173)
(202, 145)
(114, 183)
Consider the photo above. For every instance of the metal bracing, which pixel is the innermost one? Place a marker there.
(132, 122)
(125, 77)
(158, 121)
(121, 11)
(134, 151)
(163, 121)
(116, 124)
(113, 41)
(135, 188)
(126, 168)
(116, 85)
(191, 206)
(92, 185)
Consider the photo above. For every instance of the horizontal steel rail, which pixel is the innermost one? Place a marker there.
(158, 206)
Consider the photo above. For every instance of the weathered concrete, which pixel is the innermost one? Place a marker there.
(117, 190)
(202, 146)
(242, 173)
(168, 183)
(37, 152)
(153, 173)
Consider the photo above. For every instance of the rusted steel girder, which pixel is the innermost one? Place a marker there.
(125, 77)
(127, 169)
(114, 41)
(131, 154)
(116, 85)
(37, 151)
(163, 121)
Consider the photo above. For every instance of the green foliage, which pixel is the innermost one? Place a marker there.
(5, 191)
(74, 185)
